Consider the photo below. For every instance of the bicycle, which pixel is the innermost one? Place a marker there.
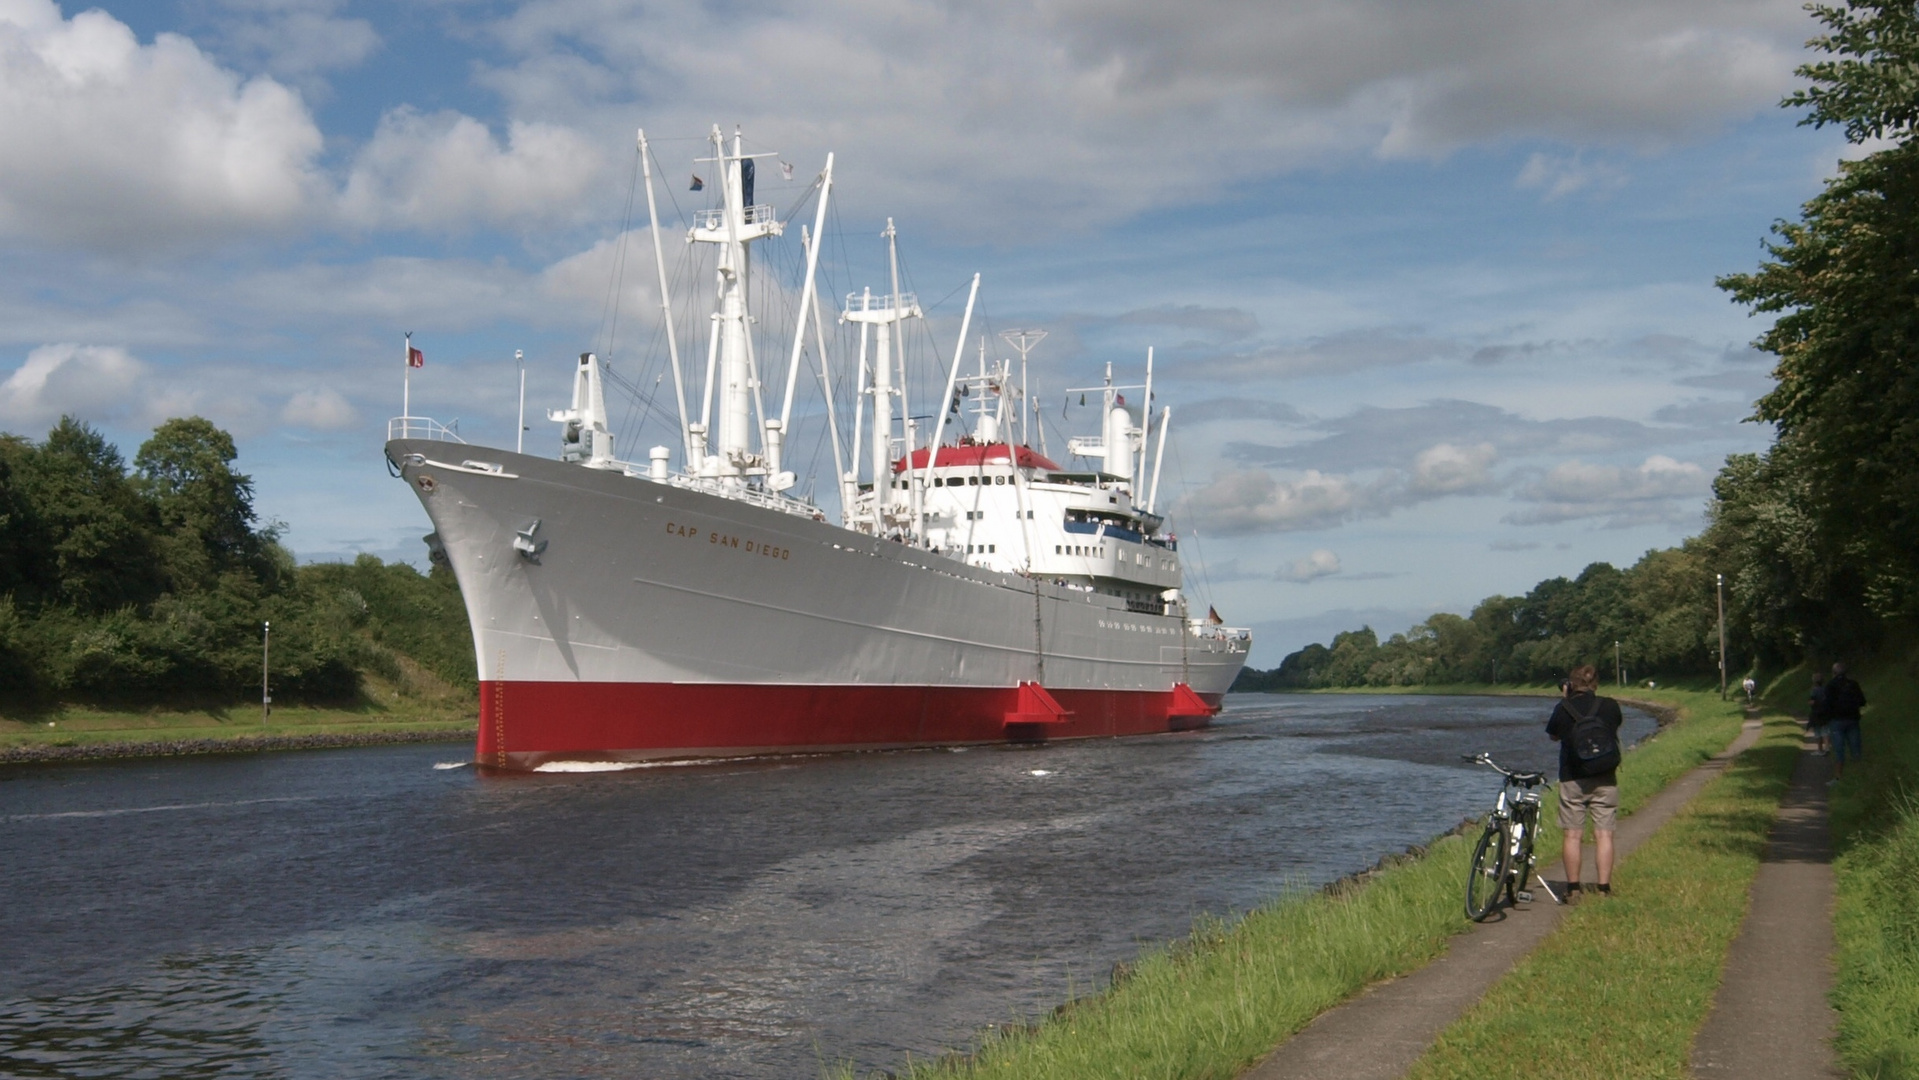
(1504, 859)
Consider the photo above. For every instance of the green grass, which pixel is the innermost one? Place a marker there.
(81, 726)
(1875, 818)
(1213, 1004)
(1622, 984)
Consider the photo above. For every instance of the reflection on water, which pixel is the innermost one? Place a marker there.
(370, 913)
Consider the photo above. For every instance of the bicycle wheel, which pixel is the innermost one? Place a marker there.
(1521, 871)
(1488, 874)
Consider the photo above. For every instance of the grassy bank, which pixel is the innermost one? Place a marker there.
(1662, 938)
(79, 726)
(1211, 1005)
(1875, 819)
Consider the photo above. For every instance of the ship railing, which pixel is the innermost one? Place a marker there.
(716, 218)
(877, 302)
(1202, 629)
(739, 493)
(422, 427)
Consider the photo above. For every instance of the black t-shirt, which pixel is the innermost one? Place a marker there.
(1843, 699)
(1560, 727)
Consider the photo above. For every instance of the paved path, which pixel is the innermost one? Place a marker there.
(1770, 1017)
(1381, 1032)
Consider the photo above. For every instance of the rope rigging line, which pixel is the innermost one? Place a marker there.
(1205, 579)
(610, 311)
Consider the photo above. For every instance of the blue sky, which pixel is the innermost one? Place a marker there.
(1430, 286)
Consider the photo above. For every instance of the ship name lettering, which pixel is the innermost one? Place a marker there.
(751, 547)
(674, 529)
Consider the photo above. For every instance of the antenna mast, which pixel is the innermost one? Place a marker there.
(1024, 340)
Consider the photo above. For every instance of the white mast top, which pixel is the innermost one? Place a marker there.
(735, 224)
(883, 312)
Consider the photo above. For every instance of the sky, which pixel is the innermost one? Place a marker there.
(1430, 287)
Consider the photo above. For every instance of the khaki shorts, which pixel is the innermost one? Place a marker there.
(1577, 798)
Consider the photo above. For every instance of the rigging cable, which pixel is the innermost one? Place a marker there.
(1205, 579)
(610, 311)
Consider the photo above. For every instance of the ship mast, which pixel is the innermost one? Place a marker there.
(731, 228)
(883, 313)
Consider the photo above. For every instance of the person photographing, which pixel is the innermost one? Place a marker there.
(1586, 727)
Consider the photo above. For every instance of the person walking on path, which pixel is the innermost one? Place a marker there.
(1844, 699)
(1816, 714)
(1586, 727)
(1750, 686)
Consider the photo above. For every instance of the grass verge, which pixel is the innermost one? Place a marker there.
(1216, 1002)
(1875, 824)
(1622, 984)
(75, 726)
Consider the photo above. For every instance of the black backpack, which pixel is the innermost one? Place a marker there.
(1594, 743)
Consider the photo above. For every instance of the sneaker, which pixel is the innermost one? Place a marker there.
(1605, 890)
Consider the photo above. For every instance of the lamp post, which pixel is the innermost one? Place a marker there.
(266, 651)
(519, 435)
(1719, 588)
(1618, 668)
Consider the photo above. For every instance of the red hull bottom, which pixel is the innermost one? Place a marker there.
(526, 724)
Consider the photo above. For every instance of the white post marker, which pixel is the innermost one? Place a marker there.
(519, 437)
(266, 651)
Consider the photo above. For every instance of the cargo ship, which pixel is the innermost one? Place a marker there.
(967, 588)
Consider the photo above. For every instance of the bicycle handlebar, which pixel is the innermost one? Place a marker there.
(1524, 779)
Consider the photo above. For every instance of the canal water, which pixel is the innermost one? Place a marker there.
(386, 912)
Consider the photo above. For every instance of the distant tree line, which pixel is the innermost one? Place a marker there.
(150, 584)
(1818, 537)
(1660, 612)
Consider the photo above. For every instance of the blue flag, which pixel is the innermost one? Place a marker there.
(698, 184)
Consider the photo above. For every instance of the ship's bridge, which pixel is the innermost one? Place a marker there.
(1010, 508)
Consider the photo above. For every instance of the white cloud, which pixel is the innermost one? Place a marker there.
(1561, 175)
(1660, 489)
(1252, 501)
(1321, 563)
(296, 40)
(1446, 469)
(88, 381)
(114, 144)
(122, 146)
(447, 171)
(323, 410)
(1221, 90)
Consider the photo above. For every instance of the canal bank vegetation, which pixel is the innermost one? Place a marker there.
(1875, 827)
(133, 597)
(1662, 937)
(1213, 1004)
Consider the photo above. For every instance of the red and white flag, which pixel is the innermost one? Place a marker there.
(414, 357)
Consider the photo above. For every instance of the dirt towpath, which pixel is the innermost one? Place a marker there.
(1381, 1032)
(1770, 1018)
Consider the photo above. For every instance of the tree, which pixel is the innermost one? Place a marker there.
(1844, 282)
(205, 508)
(98, 531)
